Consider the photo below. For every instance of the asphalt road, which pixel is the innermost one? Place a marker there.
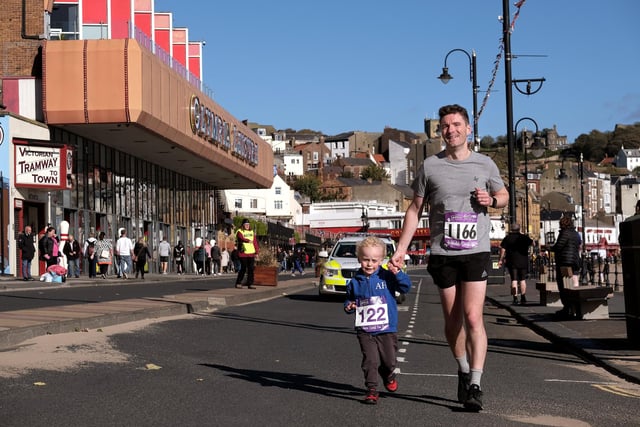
(111, 289)
(295, 361)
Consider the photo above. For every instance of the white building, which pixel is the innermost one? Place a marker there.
(276, 203)
(628, 158)
(293, 164)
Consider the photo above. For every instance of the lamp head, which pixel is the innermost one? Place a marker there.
(445, 76)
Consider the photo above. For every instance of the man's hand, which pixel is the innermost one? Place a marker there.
(397, 260)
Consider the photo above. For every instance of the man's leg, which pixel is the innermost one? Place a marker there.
(453, 320)
(25, 269)
(473, 297)
(514, 286)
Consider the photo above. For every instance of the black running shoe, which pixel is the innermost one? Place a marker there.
(523, 299)
(474, 398)
(463, 386)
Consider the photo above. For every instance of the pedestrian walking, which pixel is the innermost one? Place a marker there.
(216, 258)
(92, 257)
(224, 260)
(567, 256)
(104, 249)
(207, 257)
(458, 185)
(48, 247)
(164, 250)
(371, 296)
(514, 255)
(124, 250)
(140, 257)
(235, 260)
(178, 256)
(27, 248)
(296, 262)
(199, 256)
(72, 251)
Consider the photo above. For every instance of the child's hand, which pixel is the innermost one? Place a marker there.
(393, 268)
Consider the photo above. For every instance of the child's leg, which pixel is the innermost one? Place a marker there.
(388, 349)
(370, 360)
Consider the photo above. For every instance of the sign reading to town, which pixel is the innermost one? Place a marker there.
(42, 167)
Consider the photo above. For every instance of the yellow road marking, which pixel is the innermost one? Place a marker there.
(618, 390)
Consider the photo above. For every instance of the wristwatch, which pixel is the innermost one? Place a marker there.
(494, 202)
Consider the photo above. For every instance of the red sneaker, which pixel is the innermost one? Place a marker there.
(391, 386)
(371, 398)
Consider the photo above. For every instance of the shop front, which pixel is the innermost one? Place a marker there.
(126, 143)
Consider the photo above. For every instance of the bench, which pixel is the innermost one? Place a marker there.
(549, 294)
(589, 302)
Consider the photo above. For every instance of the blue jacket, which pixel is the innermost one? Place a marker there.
(381, 283)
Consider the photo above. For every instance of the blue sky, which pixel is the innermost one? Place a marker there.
(337, 66)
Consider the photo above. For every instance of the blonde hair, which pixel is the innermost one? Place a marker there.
(370, 241)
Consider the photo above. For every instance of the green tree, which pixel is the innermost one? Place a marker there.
(375, 173)
(309, 185)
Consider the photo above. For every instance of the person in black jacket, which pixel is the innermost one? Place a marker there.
(567, 255)
(140, 255)
(28, 251)
(514, 254)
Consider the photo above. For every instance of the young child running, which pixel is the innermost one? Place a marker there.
(370, 294)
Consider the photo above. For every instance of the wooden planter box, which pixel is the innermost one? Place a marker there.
(265, 276)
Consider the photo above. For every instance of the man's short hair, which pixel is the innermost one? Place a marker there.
(453, 109)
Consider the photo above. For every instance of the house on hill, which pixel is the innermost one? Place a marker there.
(628, 158)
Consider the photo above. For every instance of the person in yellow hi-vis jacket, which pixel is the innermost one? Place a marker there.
(247, 250)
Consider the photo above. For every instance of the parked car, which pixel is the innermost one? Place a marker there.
(342, 265)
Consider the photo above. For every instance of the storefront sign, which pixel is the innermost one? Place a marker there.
(41, 166)
(211, 127)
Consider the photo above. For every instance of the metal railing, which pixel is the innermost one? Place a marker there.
(594, 271)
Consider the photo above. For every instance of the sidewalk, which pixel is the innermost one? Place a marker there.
(602, 342)
(21, 325)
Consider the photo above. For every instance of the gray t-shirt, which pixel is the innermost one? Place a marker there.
(458, 224)
(164, 248)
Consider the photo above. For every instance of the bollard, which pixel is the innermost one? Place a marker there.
(630, 251)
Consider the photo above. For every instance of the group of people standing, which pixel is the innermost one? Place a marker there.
(210, 259)
(100, 253)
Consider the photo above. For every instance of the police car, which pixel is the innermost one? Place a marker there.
(342, 264)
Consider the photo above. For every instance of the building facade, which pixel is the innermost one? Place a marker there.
(107, 125)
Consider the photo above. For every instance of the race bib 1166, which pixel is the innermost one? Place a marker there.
(461, 230)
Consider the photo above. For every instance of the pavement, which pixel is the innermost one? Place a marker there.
(602, 342)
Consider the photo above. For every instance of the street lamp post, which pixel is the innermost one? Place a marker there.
(509, 82)
(445, 77)
(584, 241)
(526, 163)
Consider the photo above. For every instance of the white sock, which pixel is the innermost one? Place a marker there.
(476, 375)
(463, 364)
